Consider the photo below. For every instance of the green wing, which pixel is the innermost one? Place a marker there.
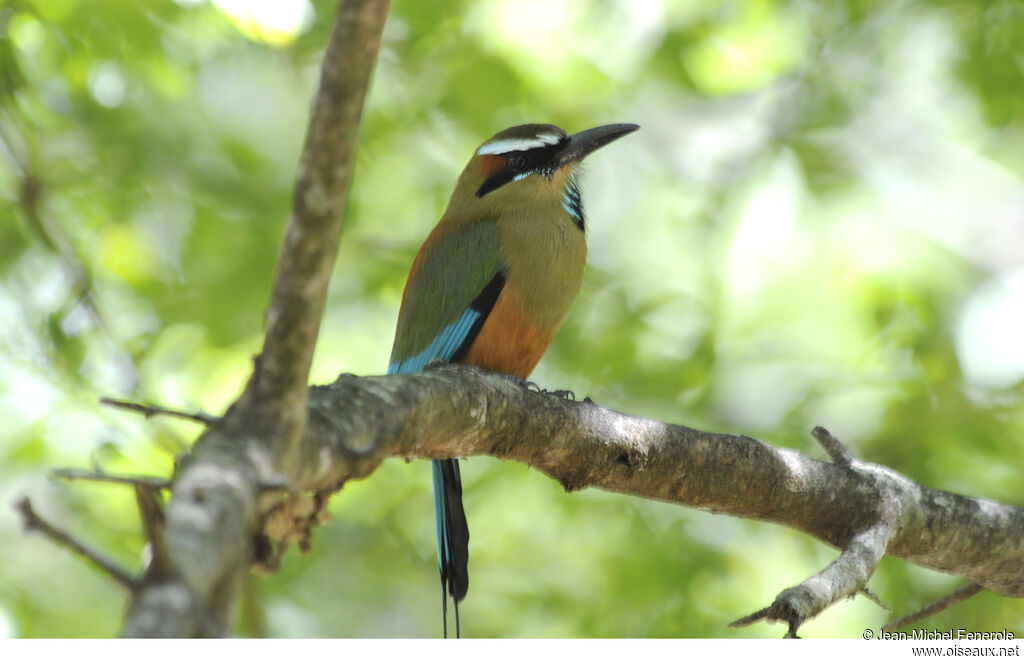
(452, 287)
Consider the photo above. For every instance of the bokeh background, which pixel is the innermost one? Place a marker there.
(821, 222)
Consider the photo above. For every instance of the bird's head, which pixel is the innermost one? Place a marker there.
(532, 164)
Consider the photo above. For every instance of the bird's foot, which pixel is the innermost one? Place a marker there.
(522, 383)
(564, 394)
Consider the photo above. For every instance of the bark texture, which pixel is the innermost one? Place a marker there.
(258, 479)
(220, 488)
(863, 508)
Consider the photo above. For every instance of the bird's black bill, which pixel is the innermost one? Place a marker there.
(583, 143)
(547, 157)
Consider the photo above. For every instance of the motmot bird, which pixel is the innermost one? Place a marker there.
(493, 283)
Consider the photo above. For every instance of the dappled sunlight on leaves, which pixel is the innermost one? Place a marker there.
(819, 223)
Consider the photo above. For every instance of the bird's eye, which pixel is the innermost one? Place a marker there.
(516, 161)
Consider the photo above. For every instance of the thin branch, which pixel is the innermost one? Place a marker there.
(101, 477)
(761, 614)
(849, 574)
(968, 590)
(153, 521)
(34, 522)
(871, 595)
(838, 451)
(845, 576)
(153, 410)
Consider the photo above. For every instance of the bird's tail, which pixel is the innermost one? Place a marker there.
(452, 536)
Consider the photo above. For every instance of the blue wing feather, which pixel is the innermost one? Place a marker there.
(443, 347)
(457, 277)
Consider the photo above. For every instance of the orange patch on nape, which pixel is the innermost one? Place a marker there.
(490, 164)
(507, 342)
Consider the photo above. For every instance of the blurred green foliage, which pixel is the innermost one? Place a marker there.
(821, 222)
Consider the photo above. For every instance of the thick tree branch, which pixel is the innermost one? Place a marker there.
(864, 509)
(217, 492)
(277, 390)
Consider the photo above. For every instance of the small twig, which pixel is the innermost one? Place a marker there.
(34, 522)
(152, 512)
(966, 591)
(759, 615)
(150, 410)
(839, 453)
(771, 614)
(845, 576)
(871, 595)
(101, 477)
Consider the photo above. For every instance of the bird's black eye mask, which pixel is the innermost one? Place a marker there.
(518, 164)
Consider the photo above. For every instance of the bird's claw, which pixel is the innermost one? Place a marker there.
(564, 394)
(520, 382)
